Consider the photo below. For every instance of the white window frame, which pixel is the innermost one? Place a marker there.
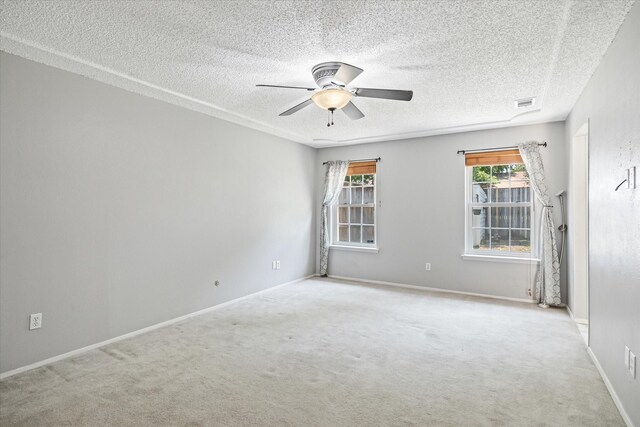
(334, 224)
(480, 254)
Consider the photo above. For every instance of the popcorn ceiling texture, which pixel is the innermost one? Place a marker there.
(465, 61)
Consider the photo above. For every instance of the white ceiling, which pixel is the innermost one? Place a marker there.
(466, 61)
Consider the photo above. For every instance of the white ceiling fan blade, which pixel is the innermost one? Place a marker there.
(352, 111)
(346, 73)
(398, 95)
(298, 107)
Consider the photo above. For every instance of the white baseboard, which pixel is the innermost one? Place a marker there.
(424, 288)
(577, 319)
(612, 391)
(141, 331)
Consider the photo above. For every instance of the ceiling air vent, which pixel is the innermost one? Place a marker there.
(525, 102)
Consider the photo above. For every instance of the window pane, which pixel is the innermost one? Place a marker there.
(499, 240)
(480, 193)
(344, 197)
(500, 217)
(367, 215)
(482, 174)
(520, 217)
(518, 171)
(500, 188)
(356, 196)
(520, 191)
(368, 234)
(499, 195)
(520, 241)
(368, 195)
(480, 217)
(500, 171)
(500, 228)
(480, 238)
(356, 179)
(500, 184)
(355, 215)
(355, 233)
(357, 190)
(500, 192)
(343, 215)
(343, 233)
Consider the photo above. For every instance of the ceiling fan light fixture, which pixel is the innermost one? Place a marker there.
(332, 99)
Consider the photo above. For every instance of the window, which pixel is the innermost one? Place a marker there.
(355, 214)
(499, 205)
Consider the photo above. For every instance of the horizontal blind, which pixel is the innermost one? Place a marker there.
(362, 168)
(487, 158)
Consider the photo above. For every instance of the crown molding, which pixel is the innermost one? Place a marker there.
(439, 131)
(45, 55)
(54, 58)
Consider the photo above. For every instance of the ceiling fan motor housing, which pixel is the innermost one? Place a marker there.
(323, 73)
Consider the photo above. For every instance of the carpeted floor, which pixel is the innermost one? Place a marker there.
(330, 353)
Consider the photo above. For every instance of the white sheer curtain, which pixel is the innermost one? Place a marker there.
(333, 181)
(548, 274)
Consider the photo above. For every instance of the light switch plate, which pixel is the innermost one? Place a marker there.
(626, 356)
(632, 177)
(632, 364)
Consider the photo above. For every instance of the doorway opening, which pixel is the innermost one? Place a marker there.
(579, 230)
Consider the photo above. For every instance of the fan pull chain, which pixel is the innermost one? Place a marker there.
(330, 116)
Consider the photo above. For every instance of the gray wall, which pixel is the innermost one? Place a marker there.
(611, 104)
(118, 211)
(421, 186)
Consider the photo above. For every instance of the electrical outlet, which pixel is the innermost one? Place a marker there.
(278, 265)
(632, 177)
(427, 267)
(626, 356)
(35, 321)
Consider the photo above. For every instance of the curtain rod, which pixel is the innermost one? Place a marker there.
(377, 159)
(480, 150)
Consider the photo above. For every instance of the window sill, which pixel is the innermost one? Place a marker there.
(355, 248)
(497, 258)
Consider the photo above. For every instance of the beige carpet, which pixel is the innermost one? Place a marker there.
(328, 353)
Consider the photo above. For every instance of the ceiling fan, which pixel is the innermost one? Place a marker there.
(332, 79)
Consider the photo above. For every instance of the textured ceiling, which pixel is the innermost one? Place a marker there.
(466, 61)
